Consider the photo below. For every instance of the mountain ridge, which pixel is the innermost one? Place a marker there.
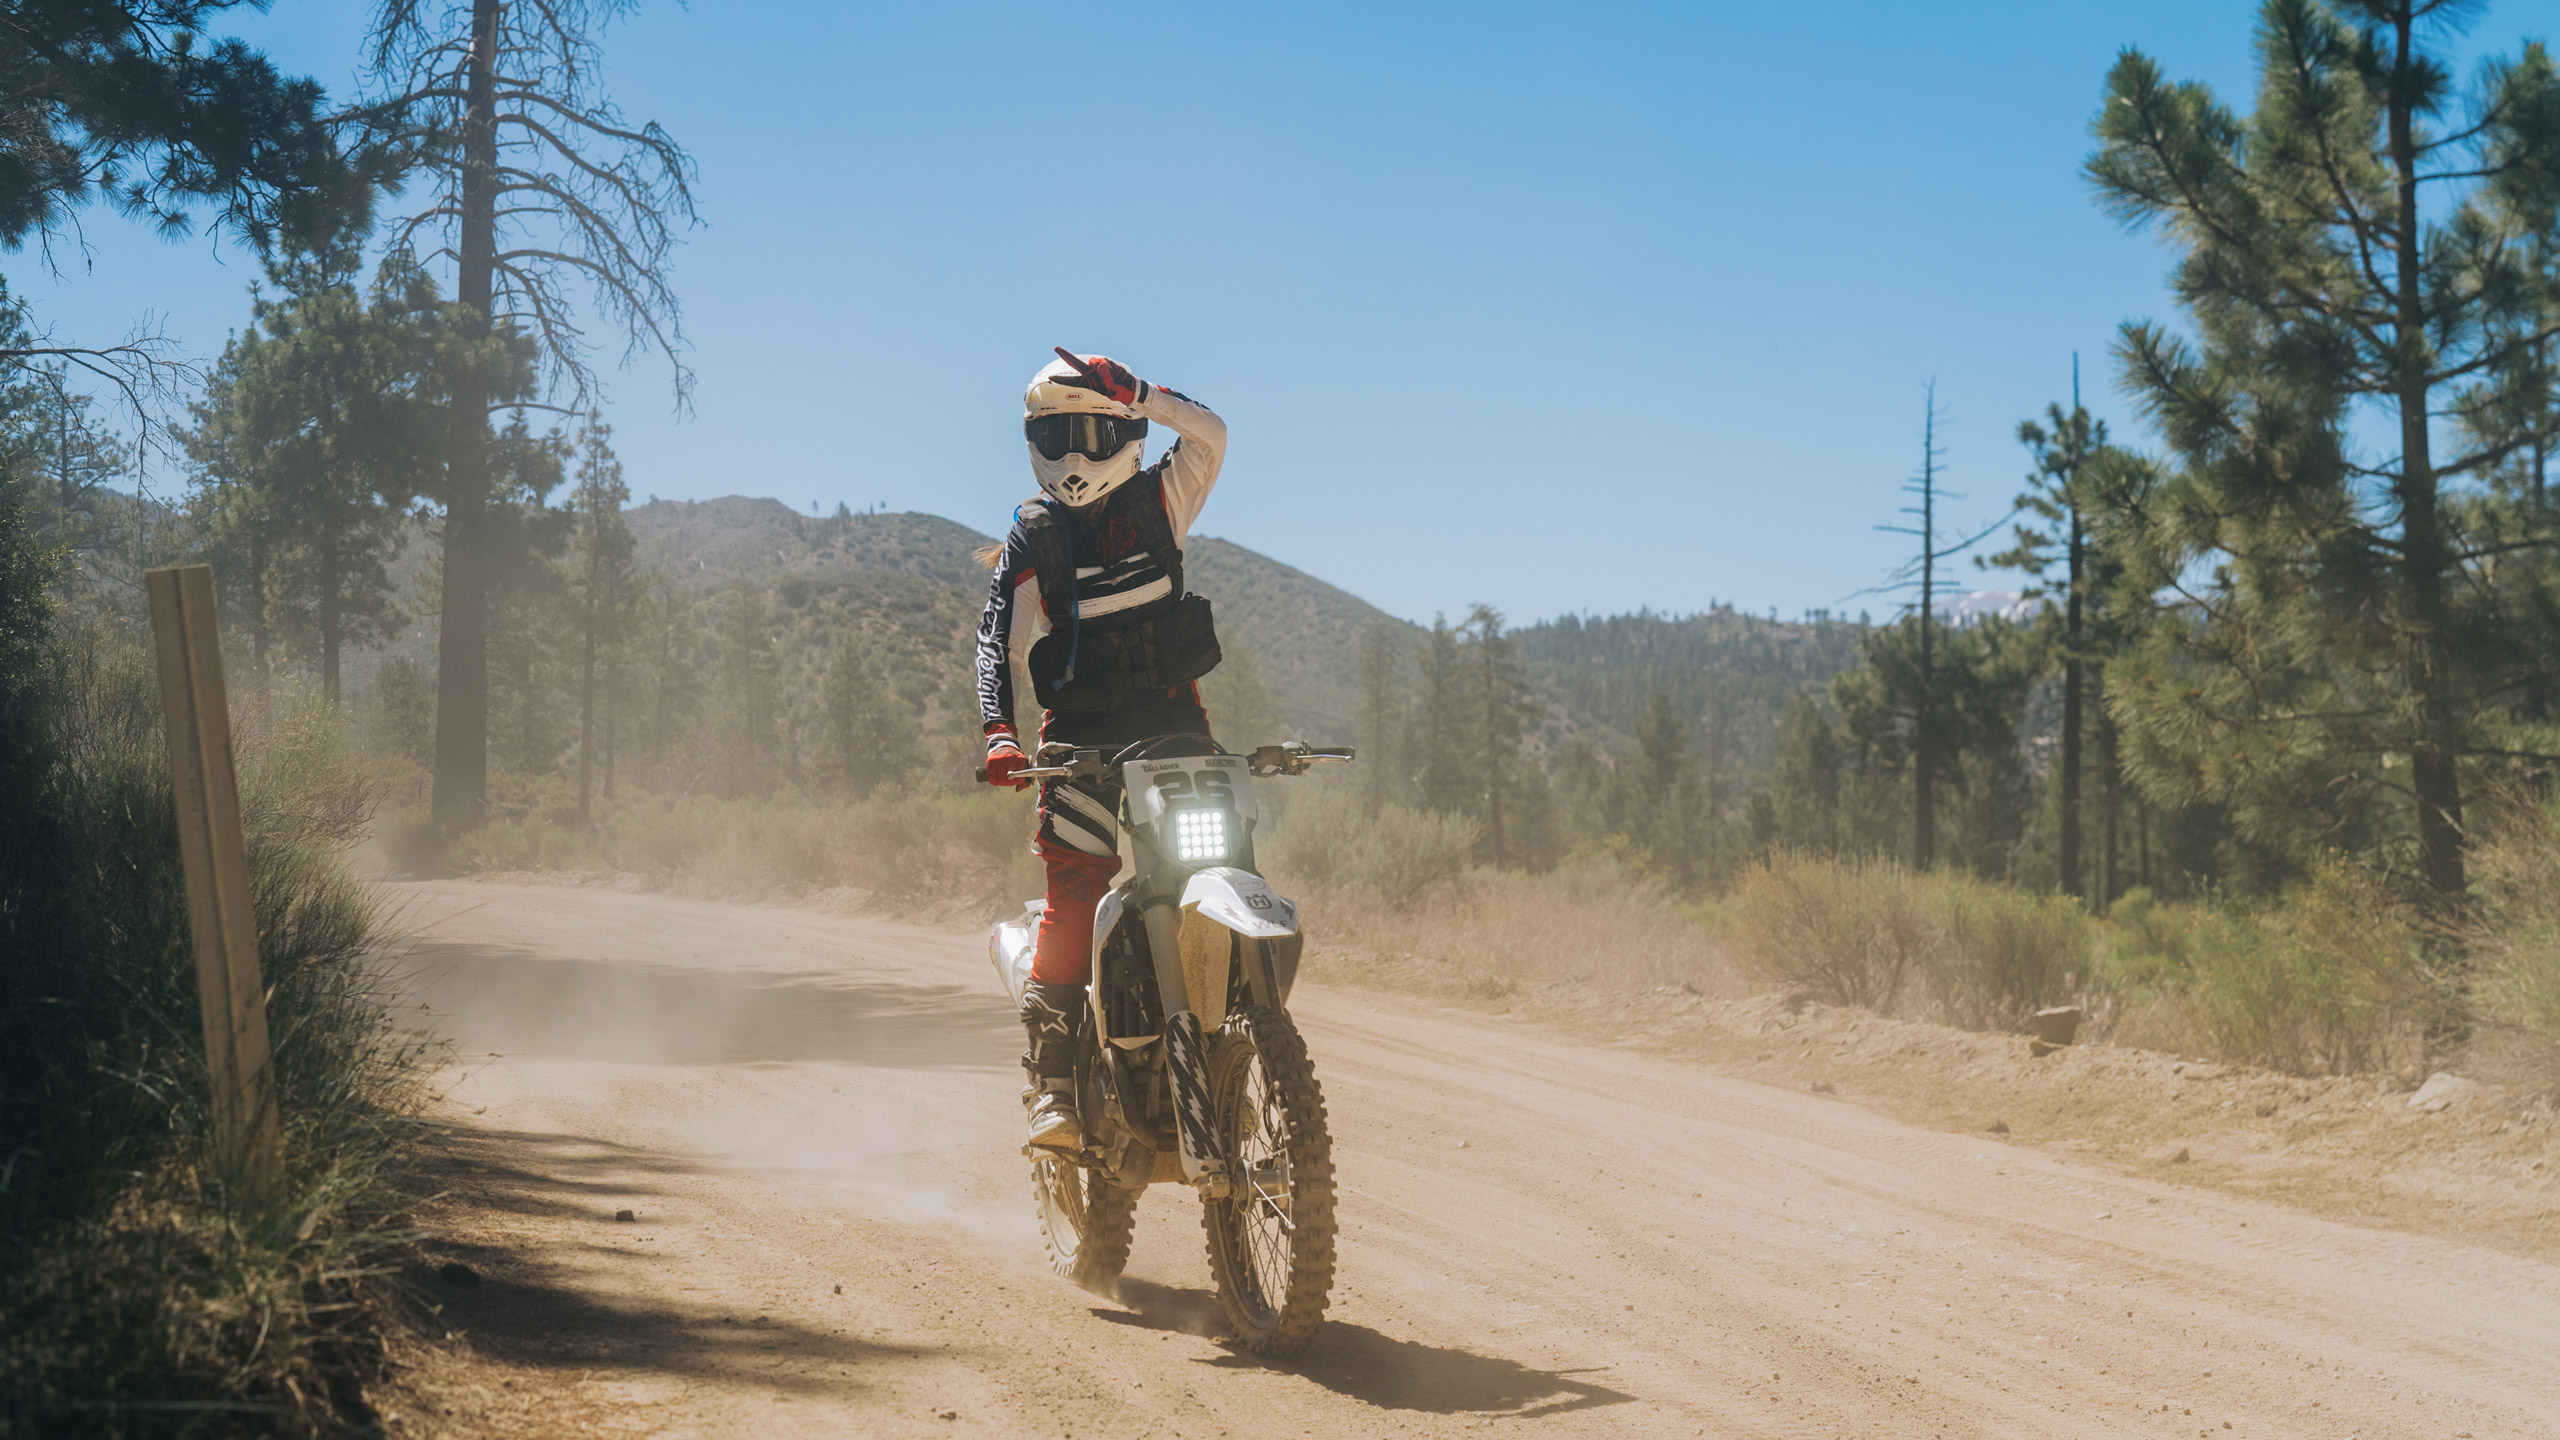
(1298, 629)
(1731, 674)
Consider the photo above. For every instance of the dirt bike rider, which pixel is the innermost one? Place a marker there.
(1126, 644)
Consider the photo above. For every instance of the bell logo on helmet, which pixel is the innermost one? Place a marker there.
(1083, 444)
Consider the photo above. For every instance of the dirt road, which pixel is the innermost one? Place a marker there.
(814, 1121)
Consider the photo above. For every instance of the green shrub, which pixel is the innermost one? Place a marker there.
(2148, 944)
(2334, 979)
(134, 1286)
(2513, 944)
(1404, 857)
(2009, 953)
(1852, 932)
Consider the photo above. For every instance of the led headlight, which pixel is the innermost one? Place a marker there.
(1199, 835)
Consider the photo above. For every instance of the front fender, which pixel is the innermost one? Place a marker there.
(1242, 901)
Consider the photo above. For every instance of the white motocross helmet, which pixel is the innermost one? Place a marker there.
(1083, 444)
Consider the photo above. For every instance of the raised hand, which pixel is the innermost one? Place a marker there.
(1102, 375)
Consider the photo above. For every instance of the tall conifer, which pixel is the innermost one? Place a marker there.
(2364, 252)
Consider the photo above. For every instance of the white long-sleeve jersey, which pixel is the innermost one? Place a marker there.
(1112, 574)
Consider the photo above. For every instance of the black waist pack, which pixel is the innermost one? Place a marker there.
(1116, 666)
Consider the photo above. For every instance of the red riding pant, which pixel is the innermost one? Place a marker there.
(1076, 885)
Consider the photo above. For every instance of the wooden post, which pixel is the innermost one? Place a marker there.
(217, 864)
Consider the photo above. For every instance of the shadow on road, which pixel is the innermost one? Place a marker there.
(523, 1304)
(498, 999)
(1377, 1368)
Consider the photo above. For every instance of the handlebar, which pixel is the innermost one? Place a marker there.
(1291, 757)
(1295, 757)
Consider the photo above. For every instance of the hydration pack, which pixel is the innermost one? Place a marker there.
(1106, 661)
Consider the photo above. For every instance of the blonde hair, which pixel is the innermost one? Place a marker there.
(988, 555)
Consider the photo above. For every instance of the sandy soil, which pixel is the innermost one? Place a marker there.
(813, 1120)
(2481, 1164)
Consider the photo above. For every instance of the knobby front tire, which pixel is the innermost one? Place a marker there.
(1271, 1240)
(1085, 1222)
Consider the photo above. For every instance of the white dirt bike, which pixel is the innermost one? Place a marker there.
(1188, 1068)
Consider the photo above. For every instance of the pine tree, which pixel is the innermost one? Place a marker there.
(665, 637)
(67, 459)
(2362, 244)
(873, 738)
(1973, 691)
(1804, 788)
(531, 610)
(543, 194)
(1659, 804)
(2059, 534)
(121, 102)
(1438, 749)
(316, 435)
(404, 706)
(1238, 702)
(1382, 704)
(1498, 696)
(1580, 785)
(749, 737)
(605, 584)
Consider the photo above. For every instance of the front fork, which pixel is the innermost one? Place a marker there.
(1204, 1160)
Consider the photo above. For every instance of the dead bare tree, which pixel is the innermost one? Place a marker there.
(548, 204)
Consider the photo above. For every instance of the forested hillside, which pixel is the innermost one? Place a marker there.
(911, 582)
(1298, 632)
(1731, 676)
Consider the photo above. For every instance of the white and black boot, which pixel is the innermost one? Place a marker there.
(1051, 1016)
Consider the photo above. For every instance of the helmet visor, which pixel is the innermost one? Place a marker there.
(1096, 437)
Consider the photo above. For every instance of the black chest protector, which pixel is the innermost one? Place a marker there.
(1109, 660)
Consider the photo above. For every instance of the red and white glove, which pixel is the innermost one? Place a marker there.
(1004, 757)
(1103, 376)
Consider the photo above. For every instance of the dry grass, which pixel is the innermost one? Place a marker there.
(1485, 935)
(2515, 947)
(2335, 980)
(140, 1294)
(922, 852)
(1873, 934)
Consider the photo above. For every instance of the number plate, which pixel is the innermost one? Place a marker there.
(1222, 781)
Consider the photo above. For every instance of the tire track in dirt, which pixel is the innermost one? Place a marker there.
(1536, 1232)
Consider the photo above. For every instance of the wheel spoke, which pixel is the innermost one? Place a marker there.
(1263, 1137)
(1271, 1239)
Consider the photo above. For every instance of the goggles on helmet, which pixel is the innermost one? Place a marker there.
(1097, 437)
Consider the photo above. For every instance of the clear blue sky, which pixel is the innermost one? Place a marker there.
(1564, 308)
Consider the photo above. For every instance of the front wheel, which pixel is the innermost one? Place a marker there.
(1271, 1239)
(1085, 1222)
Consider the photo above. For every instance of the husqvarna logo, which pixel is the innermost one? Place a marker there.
(1258, 902)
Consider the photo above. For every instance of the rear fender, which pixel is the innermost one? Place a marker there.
(1106, 918)
(1011, 944)
(1107, 915)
